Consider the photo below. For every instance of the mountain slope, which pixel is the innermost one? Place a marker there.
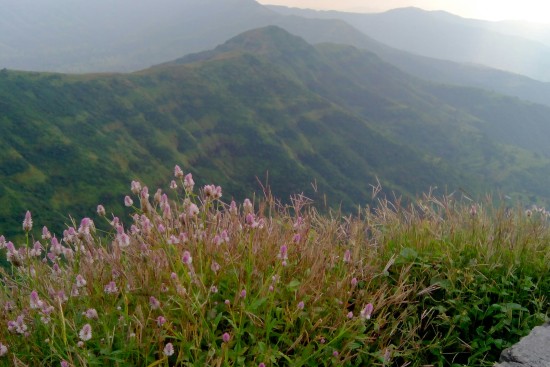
(265, 102)
(72, 142)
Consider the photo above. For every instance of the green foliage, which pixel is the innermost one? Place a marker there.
(438, 282)
(327, 121)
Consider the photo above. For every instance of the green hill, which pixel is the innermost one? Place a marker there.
(265, 103)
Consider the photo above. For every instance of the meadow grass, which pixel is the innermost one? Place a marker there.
(187, 279)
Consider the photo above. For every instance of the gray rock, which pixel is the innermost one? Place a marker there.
(531, 351)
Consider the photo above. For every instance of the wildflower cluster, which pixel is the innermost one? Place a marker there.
(194, 280)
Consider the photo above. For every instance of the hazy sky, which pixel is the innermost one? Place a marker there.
(533, 10)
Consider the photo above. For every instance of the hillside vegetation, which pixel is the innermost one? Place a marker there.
(187, 278)
(266, 107)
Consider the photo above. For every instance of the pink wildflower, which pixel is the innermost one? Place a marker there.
(135, 187)
(161, 320)
(233, 208)
(301, 305)
(248, 207)
(145, 193)
(353, 282)
(347, 256)
(111, 288)
(18, 326)
(91, 313)
(243, 293)
(46, 235)
(226, 337)
(27, 222)
(178, 173)
(350, 315)
(168, 348)
(158, 196)
(367, 311)
(3, 350)
(86, 225)
(193, 210)
(2, 242)
(64, 363)
(283, 253)
(123, 240)
(154, 303)
(36, 249)
(35, 301)
(128, 201)
(173, 185)
(212, 192)
(186, 258)
(85, 333)
(101, 210)
(80, 281)
(188, 183)
(183, 237)
(215, 267)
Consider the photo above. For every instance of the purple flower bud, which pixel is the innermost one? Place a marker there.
(128, 201)
(301, 305)
(243, 293)
(226, 337)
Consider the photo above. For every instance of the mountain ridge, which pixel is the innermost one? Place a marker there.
(238, 115)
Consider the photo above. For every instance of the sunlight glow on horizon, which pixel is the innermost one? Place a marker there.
(537, 11)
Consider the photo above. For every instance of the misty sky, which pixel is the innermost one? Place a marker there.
(532, 10)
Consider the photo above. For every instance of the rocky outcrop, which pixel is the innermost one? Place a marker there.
(531, 351)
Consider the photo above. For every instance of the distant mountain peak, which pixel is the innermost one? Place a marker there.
(266, 39)
(271, 40)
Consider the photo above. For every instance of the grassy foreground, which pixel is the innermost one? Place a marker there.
(195, 281)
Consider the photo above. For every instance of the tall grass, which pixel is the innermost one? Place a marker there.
(196, 281)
